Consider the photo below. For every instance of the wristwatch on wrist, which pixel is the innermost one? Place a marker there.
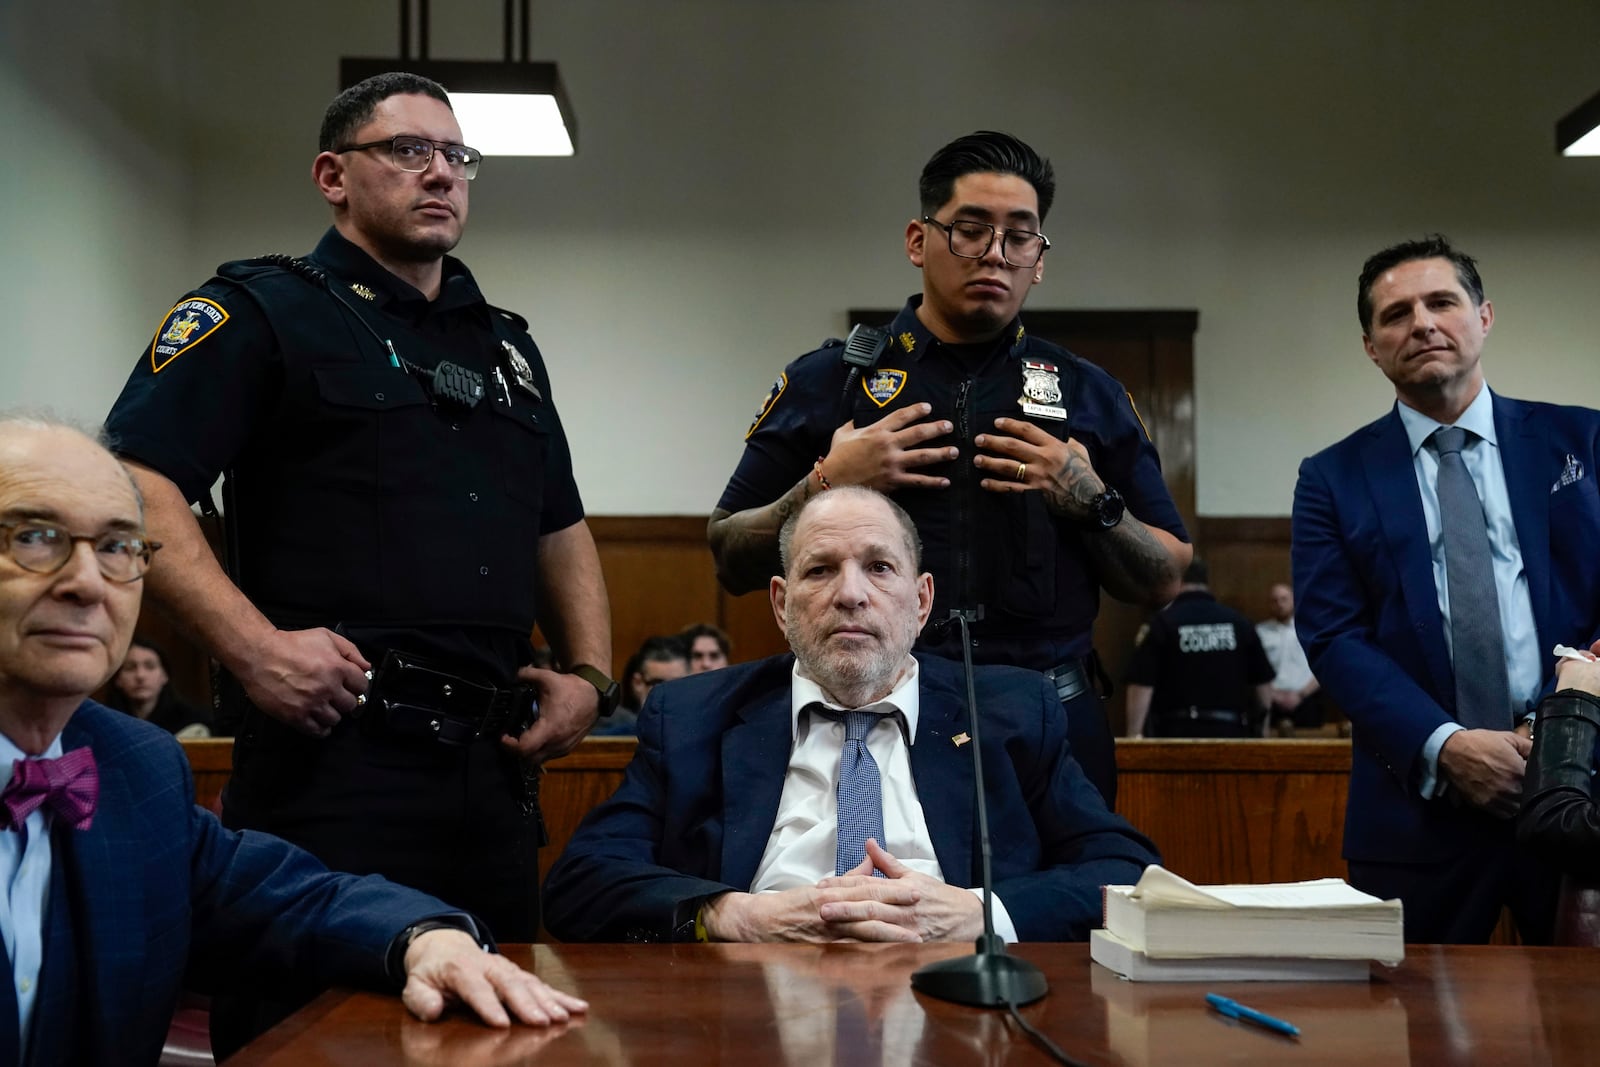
(1105, 510)
(610, 691)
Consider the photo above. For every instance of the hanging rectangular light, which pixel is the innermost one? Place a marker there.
(1578, 133)
(512, 108)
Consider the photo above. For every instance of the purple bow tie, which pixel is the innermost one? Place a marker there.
(69, 786)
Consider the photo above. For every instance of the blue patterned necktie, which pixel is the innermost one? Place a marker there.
(1477, 646)
(860, 786)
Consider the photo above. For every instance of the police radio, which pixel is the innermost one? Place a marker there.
(862, 349)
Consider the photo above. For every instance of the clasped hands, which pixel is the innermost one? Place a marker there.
(1017, 457)
(904, 905)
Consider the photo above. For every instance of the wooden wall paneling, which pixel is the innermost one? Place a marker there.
(659, 577)
(1247, 556)
(1229, 811)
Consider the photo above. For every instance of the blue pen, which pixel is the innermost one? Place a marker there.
(1234, 1010)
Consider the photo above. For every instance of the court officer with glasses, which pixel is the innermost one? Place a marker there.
(1026, 469)
(400, 501)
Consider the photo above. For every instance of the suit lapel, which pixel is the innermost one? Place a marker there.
(105, 901)
(942, 771)
(755, 760)
(1386, 458)
(1524, 444)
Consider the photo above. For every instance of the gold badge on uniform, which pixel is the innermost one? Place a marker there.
(1041, 391)
(884, 385)
(766, 405)
(362, 291)
(908, 342)
(186, 325)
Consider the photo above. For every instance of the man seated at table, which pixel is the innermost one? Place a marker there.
(113, 884)
(750, 814)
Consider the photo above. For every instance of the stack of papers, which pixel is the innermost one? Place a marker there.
(1168, 929)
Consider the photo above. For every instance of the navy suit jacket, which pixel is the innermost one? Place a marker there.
(1368, 613)
(697, 805)
(156, 888)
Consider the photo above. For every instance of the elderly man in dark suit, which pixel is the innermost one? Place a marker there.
(752, 812)
(113, 884)
(1440, 553)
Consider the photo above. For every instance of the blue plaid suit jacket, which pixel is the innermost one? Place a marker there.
(156, 889)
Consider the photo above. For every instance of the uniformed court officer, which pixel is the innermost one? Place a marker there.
(1026, 469)
(398, 488)
(1199, 669)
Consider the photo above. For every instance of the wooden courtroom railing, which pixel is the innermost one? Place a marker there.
(1219, 811)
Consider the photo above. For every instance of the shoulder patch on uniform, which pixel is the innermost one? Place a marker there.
(766, 405)
(186, 325)
(1135, 409)
(884, 385)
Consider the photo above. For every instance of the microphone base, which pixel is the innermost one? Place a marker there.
(983, 980)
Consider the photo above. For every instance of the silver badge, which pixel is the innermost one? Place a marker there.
(520, 370)
(1041, 391)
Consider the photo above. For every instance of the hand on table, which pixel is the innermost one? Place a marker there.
(448, 966)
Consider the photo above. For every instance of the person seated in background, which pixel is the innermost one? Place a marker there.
(1295, 693)
(118, 889)
(708, 647)
(1559, 815)
(659, 659)
(1198, 669)
(828, 794)
(142, 688)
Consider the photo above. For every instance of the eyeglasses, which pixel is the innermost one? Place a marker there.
(972, 240)
(415, 154)
(44, 548)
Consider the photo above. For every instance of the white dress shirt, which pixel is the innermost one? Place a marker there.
(25, 880)
(1481, 454)
(802, 847)
(1285, 653)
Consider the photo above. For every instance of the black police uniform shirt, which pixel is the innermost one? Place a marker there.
(359, 500)
(1198, 653)
(1029, 570)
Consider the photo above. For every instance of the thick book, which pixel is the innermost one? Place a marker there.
(1116, 955)
(1166, 917)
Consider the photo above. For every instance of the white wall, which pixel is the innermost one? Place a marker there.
(94, 244)
(746, 171)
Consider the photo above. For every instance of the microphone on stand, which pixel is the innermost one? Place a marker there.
(991, 978)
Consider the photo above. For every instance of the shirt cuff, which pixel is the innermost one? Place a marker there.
(1432, 785)
(1003, 926)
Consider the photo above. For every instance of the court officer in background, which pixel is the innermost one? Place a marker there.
(399, 499)
(1026, 469)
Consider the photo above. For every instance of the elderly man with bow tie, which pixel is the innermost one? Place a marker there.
(113, 885)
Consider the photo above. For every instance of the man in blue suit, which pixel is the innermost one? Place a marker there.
(737, 819)
(113, 884)
(1440, 740)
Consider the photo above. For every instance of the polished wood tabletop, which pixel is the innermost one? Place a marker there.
(781, 1005)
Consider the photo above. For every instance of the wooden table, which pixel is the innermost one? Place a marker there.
(772, 1005)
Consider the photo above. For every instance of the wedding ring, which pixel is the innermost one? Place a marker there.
(1022, 471)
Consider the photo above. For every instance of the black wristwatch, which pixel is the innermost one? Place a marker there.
(610, 691)
(1105, 510)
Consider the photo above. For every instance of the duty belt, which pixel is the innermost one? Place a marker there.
(1070, 679)
(411, 696)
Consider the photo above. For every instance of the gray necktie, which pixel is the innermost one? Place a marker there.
(1483, 696)
(860, 786)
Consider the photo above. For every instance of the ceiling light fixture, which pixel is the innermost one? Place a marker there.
(510, 108)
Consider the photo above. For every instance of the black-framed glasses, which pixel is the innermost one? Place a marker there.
(972, 240)
(415, 154)
(45, 547)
